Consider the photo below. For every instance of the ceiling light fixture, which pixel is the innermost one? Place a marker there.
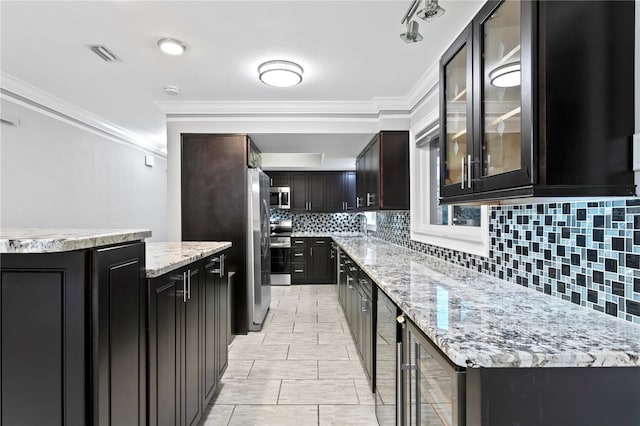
(171, 46)
(280, 73)
(431, 10)
(172, 90)
(411, 35)
(507, 75)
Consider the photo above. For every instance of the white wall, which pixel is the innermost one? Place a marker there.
(55, 174)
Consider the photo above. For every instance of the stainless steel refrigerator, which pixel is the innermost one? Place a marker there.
(258, 250)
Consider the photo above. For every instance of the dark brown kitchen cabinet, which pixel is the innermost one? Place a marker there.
(534, 105)
(311, 261)
(173, 349)
(213, 168)
(188, 322)
(382, 173)
(73, 337)
(215, 324)
(341, 191)
(279, 179)
(308, 192)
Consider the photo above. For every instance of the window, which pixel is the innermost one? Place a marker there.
(460, 227)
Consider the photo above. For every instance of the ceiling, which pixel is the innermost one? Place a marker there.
(350, 51)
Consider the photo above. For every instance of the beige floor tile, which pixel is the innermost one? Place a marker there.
(274, 415)
(217, 415)
(341, 370)
(304, 327)
(330, 317)
(238, 369)
(274, 338)
(250, 339)
(317, 392)
(352, 351)
(387, 390)
(340, 415)
(252, 391)
(295, 317)
(326, 352)
(333, 338)
(248, 352)
(288, 369)
(281, 327)
(365, 396)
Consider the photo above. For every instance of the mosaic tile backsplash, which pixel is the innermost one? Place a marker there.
(319, 222)
(583, 252)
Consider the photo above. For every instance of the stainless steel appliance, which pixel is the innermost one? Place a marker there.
(281, 252)
(258, 250)
(280, 197)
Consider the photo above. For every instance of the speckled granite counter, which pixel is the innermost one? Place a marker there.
(45, 240)
(481, 321)
(163, 257)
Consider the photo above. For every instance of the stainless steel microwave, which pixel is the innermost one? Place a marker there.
(280, 197)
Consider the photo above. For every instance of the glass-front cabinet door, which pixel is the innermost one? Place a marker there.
(456, 108)
(434, 388)
(503, 95)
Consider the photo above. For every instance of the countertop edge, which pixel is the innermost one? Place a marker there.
(70, 243)
(508, 359)
(156, 272)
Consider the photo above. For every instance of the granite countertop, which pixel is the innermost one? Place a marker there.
(51, 240)
(481, 321)
(163, 257)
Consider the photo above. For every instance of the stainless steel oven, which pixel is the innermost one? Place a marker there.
(281, 252)
(280, 197)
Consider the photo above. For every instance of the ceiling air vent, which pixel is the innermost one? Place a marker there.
(104, 52)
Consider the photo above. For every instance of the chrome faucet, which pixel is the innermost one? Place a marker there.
(366, 230)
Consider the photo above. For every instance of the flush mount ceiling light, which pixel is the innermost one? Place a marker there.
(171, 90)
(280, 73)
(412, 35)
(507, 75)
(171, 46)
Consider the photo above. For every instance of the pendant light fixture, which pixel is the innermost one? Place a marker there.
(280, 73)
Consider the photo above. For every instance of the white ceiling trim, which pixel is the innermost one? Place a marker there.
(377, 107)
(18, 91)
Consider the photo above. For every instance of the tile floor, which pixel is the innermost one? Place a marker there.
(301, 369)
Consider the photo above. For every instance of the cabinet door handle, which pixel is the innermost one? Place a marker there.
(462, 171)
(399, 382)
(469, 172)
(184, 287)
(320, 242)
(189, 285)
(369, 199)
(298, 254)
(358, 203)
(311, 250)
(223, 257)
(298, 270)
(310, 206)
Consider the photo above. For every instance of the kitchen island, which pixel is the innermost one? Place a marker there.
(73, 326)
(517, 355)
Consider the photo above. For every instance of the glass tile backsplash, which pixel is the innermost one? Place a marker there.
(319, 222)
(583, 252)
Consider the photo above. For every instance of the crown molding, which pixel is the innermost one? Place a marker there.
(376, 108)
(17, 91)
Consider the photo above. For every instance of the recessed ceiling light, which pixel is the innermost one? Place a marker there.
(280, 73)
(172, 46)
(172, 90)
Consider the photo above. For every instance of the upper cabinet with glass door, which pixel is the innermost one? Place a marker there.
(456, 113)
(550, 102)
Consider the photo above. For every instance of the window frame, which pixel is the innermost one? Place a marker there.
(467, 239)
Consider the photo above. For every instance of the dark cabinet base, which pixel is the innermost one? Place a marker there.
(553, 396)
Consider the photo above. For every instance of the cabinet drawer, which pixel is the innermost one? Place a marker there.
(298, 254)
(298, 242)
(319, 242)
